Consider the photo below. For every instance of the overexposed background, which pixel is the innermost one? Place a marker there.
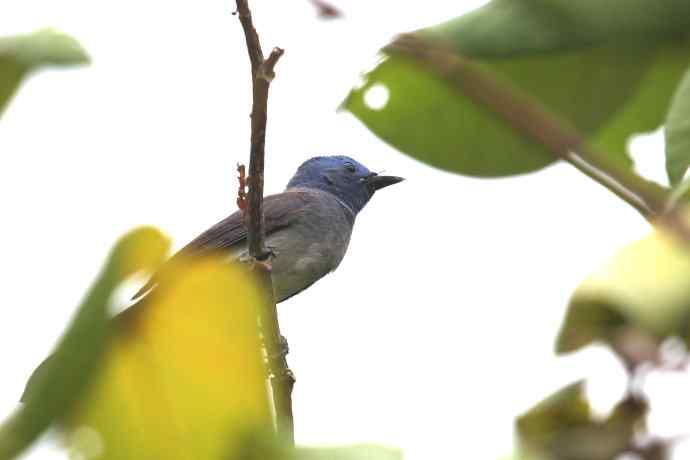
(438, 327)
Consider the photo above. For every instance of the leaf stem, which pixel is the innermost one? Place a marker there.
(531, 119)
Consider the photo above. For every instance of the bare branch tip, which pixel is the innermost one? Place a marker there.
(266, 70)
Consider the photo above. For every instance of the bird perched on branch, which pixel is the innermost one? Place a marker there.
(308, 226)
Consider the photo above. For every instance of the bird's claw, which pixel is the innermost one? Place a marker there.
(272, 253)
(282, 351)
(266, 263)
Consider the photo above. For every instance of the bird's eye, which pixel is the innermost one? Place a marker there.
(350, 167)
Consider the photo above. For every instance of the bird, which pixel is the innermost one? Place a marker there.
(307, 226)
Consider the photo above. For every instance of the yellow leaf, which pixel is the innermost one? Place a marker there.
(58, 382)
(184, 377)
(638, 298)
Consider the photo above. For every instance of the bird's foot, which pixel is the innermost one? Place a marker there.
(266, 263)
(271, 252)
(280, 373)
(282, 350)
(267, 260)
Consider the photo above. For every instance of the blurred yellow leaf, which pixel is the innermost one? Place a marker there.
(59, 381)
(633, 302)
(184, 377)
(562, 427)
(142, 250)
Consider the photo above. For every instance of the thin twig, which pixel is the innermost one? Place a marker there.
(281, 378)
(256, 56)
(266, 71)
(242, 191)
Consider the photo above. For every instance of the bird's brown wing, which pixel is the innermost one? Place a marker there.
(280, 211)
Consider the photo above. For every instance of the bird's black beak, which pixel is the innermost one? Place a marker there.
(377, 182)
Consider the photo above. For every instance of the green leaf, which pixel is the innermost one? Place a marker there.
(677, 133)
(607, 68)
(23, 54)
(363, 452)
(633, 302)
(680, 194)
(56, 388)
(565, 409)
(265, 445)
(563, 427)
(184, 376)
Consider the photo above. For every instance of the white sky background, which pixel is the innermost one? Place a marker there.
(438, 327)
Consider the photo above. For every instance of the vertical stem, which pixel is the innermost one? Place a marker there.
(255, 236)
(280, 377)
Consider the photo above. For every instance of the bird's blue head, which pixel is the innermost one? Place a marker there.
(342, 176)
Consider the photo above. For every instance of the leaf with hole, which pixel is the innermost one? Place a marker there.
(608, 69)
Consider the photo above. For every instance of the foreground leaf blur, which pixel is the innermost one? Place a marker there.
(563, 427)
(61, 380)
(184, 377)
(634, 301)
(609, 69)
(23, 54)
(677, 131)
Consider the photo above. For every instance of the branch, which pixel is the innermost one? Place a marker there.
(256, 56)
(281, 378)
(531, 119)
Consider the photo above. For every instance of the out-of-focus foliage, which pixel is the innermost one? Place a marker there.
(677, 132)
(181, 374)
(184, 376)
(266, 446)
(363, 452)
(634, 301)
(60, 383)
(23, 54)
(562, 427)
(608, 68)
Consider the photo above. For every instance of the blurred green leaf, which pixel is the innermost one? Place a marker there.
(607, 68)
(517, 457)
(633, 302)
(363, 452)
(265, 445)
(184, 377)
(61, 381)
(680, 194)
(23, 54)
(565, 409)
(677, 133)
(562, 427)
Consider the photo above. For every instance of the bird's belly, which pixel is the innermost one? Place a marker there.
(299, 262)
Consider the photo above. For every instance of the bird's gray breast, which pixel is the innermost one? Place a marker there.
(313, 245)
